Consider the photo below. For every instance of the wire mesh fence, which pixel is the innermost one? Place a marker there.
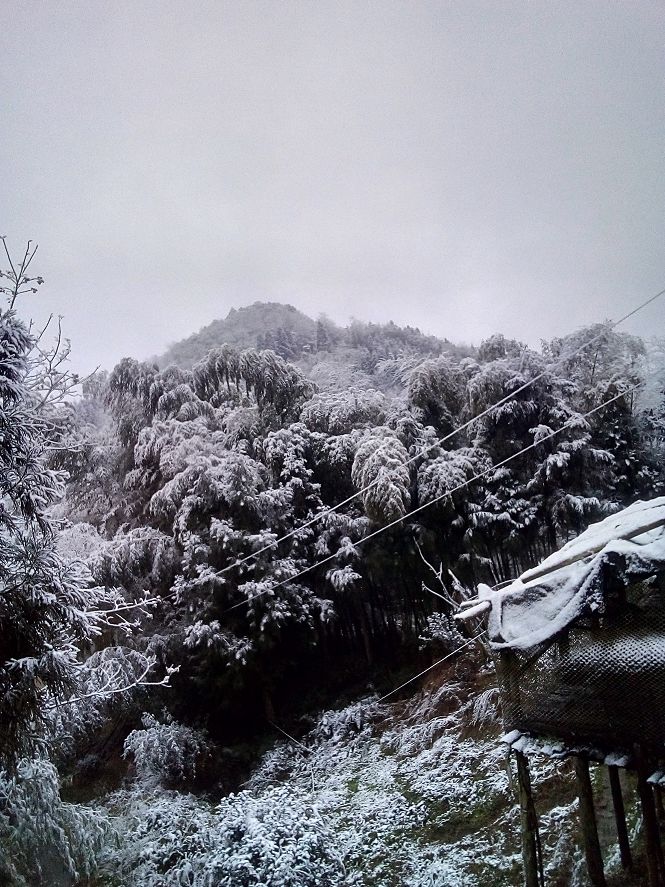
(600, 682)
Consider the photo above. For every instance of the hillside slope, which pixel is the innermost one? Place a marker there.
(242, 328)
(298, 338)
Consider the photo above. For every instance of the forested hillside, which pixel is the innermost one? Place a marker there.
(318, 346)
(275, 532)
(282, 326)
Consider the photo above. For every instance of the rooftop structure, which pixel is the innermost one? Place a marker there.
(579, 643)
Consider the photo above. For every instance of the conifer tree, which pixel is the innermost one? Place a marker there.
(42, 601)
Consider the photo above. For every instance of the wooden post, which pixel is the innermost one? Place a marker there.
(528, 822)
(594, 859)
(651, 828)
(658, 798)
(620, 817)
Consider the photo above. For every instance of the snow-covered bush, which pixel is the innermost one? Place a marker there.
(486, 708)
(354, 720)
(45, 840)
(169, 753)
(441, 633)
(110, 683)
(277, 840)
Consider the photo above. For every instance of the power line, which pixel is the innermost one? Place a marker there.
(329, 510)
(409, 514)
(385, 696)
(429, 668)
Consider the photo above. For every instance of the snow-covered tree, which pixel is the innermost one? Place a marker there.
(380, 470)
(437, 388)
(43, 600)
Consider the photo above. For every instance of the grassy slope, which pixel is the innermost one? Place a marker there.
(412, 794)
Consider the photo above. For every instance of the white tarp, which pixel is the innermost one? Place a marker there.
(546, 599)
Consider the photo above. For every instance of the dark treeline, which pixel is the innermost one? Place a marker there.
(177, 474)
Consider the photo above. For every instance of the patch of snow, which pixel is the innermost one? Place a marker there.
(540, 604)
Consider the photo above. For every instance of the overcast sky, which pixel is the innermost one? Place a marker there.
(466, 167)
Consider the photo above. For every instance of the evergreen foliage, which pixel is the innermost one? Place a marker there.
(42, 599)
(214, 464)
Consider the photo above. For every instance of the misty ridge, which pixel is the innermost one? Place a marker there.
(312, 344)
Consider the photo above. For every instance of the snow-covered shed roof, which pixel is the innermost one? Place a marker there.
(545, 600)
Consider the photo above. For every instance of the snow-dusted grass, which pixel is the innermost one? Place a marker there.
(416, 794)
(376, 795)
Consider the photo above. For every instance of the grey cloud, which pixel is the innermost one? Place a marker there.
(460, 166)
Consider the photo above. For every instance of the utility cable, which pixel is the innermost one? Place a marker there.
(573, 420)
(429, 668)
(385, 696)
(561, 359)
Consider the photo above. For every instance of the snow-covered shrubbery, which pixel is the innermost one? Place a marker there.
(364, 799)
(45, 840)
(168, 753)
(416, 800)
(110, 683)
(356, 719)
(441, 634)
(279, 839)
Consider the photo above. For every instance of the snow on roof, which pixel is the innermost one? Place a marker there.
(547, 598)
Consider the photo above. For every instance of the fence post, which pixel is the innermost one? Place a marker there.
(651, 828)
(594, 859)
(620, 817)
(529, 825)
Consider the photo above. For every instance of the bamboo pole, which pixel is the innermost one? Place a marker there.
(540, 571)
(620, 817)
(594, 859)
(651, 829)
(658, 798)
(528, 823)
